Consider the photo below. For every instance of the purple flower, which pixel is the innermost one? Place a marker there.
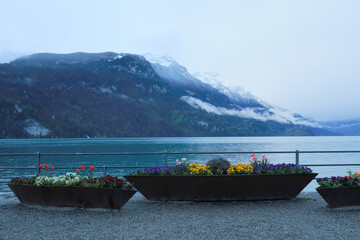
(281, 169)
(162, 171)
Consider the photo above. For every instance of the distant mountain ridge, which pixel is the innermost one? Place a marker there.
(345, 127)
(127, 95)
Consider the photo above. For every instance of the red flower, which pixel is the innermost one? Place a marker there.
(46, 167)
(82, 167)
(40, 166)
(52, 167)
(252, 155)
(91, 168)
(77, 170)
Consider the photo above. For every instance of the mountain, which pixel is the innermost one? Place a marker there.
(247, 105)
(237, 94)
(346, 127)
(127, 95)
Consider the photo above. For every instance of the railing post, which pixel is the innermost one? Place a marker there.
(37, 163)
(105, 168)
(297, 157)
(166, 159)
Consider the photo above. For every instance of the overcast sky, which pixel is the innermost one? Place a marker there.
(300, 55)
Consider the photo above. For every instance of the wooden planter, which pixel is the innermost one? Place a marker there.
(84, 197)
(340, 197)
(221, 187)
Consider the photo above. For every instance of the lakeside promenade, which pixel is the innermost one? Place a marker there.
(305, 217)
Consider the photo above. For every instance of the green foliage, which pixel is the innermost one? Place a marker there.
(219, 165)
(18, 180)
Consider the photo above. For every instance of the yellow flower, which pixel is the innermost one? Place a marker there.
(240, 169)
(199, 169)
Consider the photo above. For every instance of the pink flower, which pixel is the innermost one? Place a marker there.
(183, 159)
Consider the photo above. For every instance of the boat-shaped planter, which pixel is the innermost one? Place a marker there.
(61, 196)
(221, 187)
(341, 196)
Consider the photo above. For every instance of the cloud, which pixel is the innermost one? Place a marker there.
(261, 114)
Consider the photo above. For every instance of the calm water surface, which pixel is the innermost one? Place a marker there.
(185, 144)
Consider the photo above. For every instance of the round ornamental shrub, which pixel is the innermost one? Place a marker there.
(218, 165)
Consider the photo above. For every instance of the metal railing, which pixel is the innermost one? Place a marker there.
(165, 156)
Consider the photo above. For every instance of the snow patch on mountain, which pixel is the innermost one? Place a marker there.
(261, 114)
(35, 129)
(236, 93)
(108, 90)
(162, 60)
(119, 56)
(170, 70)
(18, 109)
(157, 89)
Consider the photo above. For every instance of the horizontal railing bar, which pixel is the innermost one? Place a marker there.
(71, 167)
(1, 168)
(213, 153)
(127, 166)
(345, 151)
(145, 153)
(102, 167)
(98, 154)
(171, 153)
(18, 154)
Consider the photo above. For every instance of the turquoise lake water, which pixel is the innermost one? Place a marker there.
(183, 144)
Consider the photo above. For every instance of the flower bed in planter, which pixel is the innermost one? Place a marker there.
(340, 191)
(73, 190)
(196, 182)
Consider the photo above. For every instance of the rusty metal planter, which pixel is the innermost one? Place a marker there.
(340, 197)
(221, 187)
(85, 197)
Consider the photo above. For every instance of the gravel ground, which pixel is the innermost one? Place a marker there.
(305, 217)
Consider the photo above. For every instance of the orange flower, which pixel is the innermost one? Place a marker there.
(77, 170)
(356, 174)
(40, 166)
(82, 167)
(46, 167)
(52, 167)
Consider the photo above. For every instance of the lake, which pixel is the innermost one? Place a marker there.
(177, 144)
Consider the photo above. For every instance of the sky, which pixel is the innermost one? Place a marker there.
(303, 56)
